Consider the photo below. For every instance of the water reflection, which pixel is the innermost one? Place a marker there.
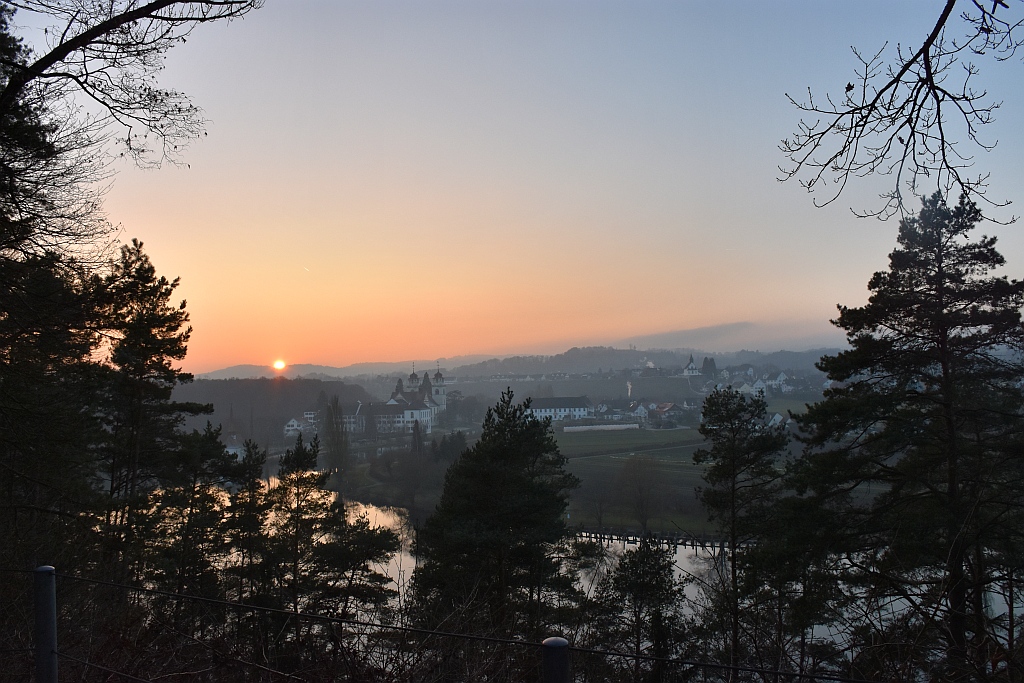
(401, 565)
(691, 564)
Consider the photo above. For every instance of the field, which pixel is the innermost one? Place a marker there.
(576, 444)
(610, 493)
(784, 404)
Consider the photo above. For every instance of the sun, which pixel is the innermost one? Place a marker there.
(279, 365)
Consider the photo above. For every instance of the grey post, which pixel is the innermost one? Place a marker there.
(45, 598)
(555, 660)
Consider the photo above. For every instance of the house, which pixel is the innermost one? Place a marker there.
(639, 411)
(614, 409)
(691, 369)
(743, 387)
(295, 426)
(667, 414)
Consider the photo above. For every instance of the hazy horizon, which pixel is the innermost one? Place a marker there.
(709, 340)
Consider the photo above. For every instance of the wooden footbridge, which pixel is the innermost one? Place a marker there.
(626, 537)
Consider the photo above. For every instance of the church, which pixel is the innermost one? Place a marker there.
(416, 392)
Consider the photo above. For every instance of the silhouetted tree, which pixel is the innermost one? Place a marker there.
(321, 562)
(148, 333)
(336, 456)
(487, 555)
(247, 518)
(913, 457)
(641, 610)
(417, 450)
(185, 532)
(741, 474)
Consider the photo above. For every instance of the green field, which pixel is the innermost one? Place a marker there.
(605, 497)
(576, 444)
(784, 404)
(670, 479)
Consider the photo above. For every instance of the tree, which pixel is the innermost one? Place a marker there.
(708, 369)
(912, 458)
(335, 443)
(185, 530)
(641, 601)
(148, 333)
(908, 114)
(320, 561)
(486, 555)
(52, 154)
(450, 447)
(246, 519)
(417, 450)
(111, 52)
(742, 475)
(48, 427)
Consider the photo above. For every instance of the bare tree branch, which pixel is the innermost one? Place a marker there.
(908, 116)
(93, 83)
(112, 51)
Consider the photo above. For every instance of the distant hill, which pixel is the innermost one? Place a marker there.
(734, 337)
(328, 372)
(786, 345)
(577, 360)
(574, 361)
(605, 358)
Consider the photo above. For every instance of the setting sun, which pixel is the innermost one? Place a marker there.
(279, 365)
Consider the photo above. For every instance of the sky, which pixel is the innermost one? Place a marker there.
(419, 179)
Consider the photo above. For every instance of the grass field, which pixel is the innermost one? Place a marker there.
(576, 444)
(784, 404)
(597, 458)
(672, 480)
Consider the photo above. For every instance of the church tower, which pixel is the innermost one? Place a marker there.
(438, 393)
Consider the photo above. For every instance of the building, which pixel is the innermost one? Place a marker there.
(563, 408)
(415, 399)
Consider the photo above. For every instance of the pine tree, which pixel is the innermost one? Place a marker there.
(487, 552)
(640, 602)
(247, 520)
(186, 534)
(742, 476)
(149, 333)
(321, 561)
(913, 461)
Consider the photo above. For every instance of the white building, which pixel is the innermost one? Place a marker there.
(563, 408)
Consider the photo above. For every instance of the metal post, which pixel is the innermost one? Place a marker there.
(45, 598)
(555, 660)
